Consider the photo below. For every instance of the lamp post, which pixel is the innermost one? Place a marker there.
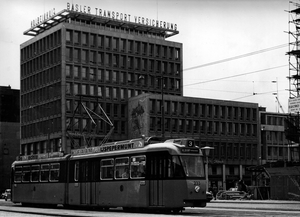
(206, 150)
(277, 96)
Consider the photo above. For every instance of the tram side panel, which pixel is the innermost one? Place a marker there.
(39, 183)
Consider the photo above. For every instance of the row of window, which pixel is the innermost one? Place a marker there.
(86, 74)
(105, 92)
(40, 46)
(41, 147)
(42, 127)
(123, 62)
(203, 110)
(99, 126)
(92, 40)
(40, 79)
(37, 173)
(233, 150)
(203, 127)
(133, 167)
(41, 62)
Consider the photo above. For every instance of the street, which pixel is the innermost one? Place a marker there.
(215, 208)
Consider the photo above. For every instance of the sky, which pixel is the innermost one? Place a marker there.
(232, 49)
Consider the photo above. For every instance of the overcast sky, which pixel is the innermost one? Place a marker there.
(232, 49)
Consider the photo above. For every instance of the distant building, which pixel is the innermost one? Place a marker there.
(9, 132)
(231, 128)
(275, 147)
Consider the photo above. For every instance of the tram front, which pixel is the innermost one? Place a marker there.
(189, 183)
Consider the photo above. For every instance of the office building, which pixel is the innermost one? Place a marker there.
(79, 70)
(9, 132)
(231, 128)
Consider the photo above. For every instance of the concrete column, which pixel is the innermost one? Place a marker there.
(224, 177)
(241, 171)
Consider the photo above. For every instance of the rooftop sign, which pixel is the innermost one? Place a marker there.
(121, 16)
(101, 16)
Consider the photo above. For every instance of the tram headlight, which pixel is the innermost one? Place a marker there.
(197, 188)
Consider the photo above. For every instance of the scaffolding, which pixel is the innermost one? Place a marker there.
(292, 124)
(294, 51)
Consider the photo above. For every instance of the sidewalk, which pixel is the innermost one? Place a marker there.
(255, 204)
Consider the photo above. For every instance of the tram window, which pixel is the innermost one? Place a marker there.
(193, 166)
(137, 166)
(54, 172)
(76, 171)
(177, 168)
(44, 175)
(35, 171)
(122, 168)
(107, 169)
(26, 174)
(18, 174)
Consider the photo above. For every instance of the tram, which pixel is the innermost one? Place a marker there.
(133, 174)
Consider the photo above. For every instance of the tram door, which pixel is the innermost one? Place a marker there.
(157, 174)
(84, 184)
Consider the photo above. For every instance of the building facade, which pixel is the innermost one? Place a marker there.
(231, 128)
(275, 147)
(78, 71)
(9, 132)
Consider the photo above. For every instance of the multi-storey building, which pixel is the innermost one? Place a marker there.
(78, 65)
(274, 144)
(231, 128)
(9, 132)
(84, 77)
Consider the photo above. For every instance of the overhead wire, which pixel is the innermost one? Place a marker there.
(233, 76)
(238, 57)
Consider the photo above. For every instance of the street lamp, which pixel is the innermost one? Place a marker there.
(277, 96)
(206, 150)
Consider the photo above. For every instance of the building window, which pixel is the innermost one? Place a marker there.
(84, 39)
(83, 89)
(122, 45)
(68, 71)
(92, 40)
(84, 73)
(115, 93)
(100, 41)
(75, 89)
(107, 92)
(68, 88)
(107, 42)
(76, 38)
(115, 44)
(107, 76)
(92, 74)
(92, 57)
(68, 36)
(100, 58)
(115, 60)
(92, 90)
(100, 92)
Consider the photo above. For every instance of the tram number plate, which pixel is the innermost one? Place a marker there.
(197, 183)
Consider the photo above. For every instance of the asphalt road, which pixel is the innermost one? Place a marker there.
(215, 208)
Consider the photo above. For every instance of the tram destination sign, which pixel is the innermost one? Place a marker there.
(109, 148)
(190, 150)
